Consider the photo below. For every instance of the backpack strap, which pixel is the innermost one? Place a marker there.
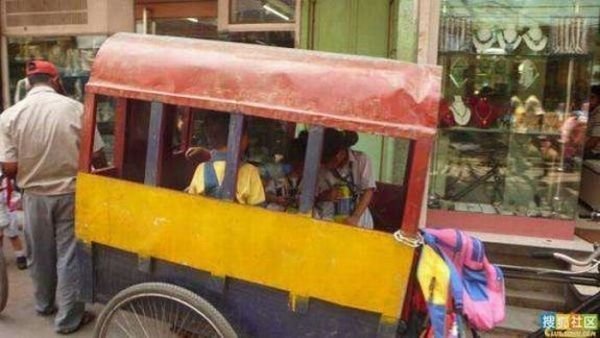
(212, 187)
(456, 283)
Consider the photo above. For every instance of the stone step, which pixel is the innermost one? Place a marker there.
(540, 301)
(520, 284)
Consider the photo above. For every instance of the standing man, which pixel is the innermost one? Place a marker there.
(39, 145)
(592, 147)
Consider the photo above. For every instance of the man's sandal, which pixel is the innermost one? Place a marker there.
(87, 318)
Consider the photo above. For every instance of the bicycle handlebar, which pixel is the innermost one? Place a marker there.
(568, 259)
(589, 260)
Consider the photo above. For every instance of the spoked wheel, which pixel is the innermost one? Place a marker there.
(161, 310)
(3, 282)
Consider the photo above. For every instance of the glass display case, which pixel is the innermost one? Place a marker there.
(515, 103)
(73, 56)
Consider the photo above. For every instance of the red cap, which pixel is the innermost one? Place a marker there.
(41, 67)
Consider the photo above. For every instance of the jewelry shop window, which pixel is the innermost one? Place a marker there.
(516, 85)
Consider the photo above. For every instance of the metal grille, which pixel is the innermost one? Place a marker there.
(46, 12)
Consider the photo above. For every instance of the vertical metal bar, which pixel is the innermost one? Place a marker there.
(312, 162)
(119, 133)
(416, 179)
(88, 130)
(153, 157)
(236, 128)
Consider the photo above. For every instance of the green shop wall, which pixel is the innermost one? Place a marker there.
(379, 28)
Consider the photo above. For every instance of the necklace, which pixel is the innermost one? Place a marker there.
(483, 106)
(510, 40)
(461, 114)
(535, 40)
(484, 39)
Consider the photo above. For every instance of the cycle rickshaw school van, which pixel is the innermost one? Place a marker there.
(244, 270)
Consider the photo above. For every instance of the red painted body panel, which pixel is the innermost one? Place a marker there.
(349, 92)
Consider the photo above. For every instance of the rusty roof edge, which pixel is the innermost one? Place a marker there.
(324, 55)
(409, 131)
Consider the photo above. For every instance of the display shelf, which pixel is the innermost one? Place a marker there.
(499, 131)
(517, 55)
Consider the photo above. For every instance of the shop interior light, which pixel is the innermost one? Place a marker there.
(276, 12)
(194, 20)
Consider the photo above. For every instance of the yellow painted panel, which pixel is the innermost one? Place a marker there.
(348, 266)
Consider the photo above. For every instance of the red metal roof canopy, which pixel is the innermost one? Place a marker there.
(350, 92)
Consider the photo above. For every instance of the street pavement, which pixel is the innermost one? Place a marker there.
(19, 319)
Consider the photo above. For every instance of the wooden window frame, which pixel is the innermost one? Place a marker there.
(415, 179)
(88, 131)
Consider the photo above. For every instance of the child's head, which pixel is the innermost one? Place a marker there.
(217, 129)
(335, 147)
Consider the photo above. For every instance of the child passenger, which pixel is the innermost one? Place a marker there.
(345, 183)
(208, 177)
(283, 190)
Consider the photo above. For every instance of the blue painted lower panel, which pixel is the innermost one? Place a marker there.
(254, 310)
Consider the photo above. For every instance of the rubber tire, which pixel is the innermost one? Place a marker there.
(169, 290)
(3, 282)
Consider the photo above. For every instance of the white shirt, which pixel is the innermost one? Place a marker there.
(42, 134)
(360, 170)
(594, 123)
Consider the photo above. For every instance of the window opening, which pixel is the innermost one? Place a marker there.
(225, 138)
(269, 163)
(105, 122)
(137, 123)
(344, 188)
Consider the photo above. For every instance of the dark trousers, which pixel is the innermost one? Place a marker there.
(50, 234)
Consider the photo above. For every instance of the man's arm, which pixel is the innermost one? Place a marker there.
(8, 149)
(366, 182)
(361, 207)
(9, 169)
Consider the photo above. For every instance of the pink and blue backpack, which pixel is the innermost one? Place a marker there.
(476, 285)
